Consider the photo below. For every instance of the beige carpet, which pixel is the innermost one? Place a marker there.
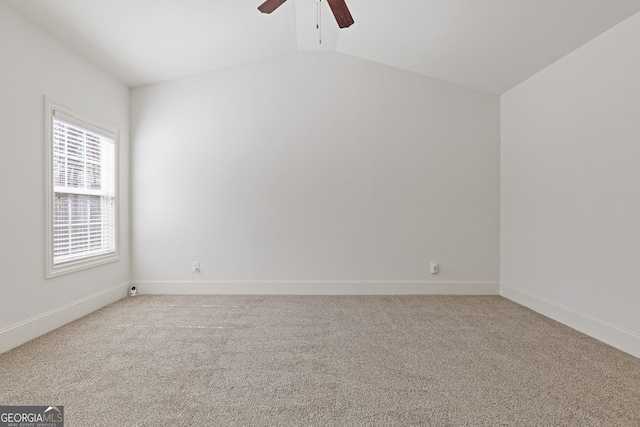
(323, 361)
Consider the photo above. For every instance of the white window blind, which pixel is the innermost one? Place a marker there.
(83, 200)
(84, 192)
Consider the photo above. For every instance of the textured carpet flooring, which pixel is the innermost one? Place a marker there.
(323, 361)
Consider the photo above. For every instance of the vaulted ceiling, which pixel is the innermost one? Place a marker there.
(490, 45)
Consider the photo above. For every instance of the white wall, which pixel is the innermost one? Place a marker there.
(570, 202)
(33, 65)
(314, 166)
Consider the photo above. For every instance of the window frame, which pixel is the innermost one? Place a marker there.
(88, 261)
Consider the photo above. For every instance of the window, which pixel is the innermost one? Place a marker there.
(81, 190)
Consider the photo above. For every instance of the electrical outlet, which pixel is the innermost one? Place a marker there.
(435, 268)
(195, 267)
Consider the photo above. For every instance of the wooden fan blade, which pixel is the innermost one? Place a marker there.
(270, 5)
(341, 12)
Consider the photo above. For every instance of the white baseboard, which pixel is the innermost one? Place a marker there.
(611, 334)
(316, 288)
(20, 333)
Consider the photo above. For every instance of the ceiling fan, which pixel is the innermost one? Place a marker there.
(338, 7)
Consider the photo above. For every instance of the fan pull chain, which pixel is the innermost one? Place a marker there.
(319, 21)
